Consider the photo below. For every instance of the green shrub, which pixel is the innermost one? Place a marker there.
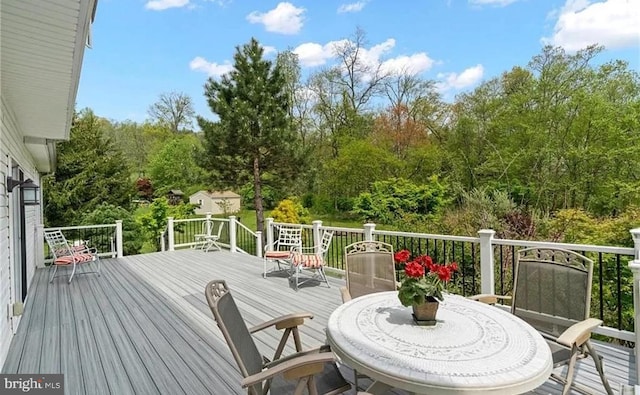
(290, 211)
(107, 213)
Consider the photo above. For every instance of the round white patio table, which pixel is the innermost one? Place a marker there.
(472, 348)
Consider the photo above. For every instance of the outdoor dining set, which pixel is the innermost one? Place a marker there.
(475, 345)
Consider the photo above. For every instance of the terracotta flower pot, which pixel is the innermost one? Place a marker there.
(426, 311)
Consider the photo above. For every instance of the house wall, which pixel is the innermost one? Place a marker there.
(13, 150)
(210, 205)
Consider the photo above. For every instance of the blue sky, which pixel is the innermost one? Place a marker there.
(143, 48)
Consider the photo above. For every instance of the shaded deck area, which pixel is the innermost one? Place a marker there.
(143, 326)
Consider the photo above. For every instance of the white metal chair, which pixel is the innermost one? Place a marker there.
(311, 260)
(280, 251)
(207, 230)
(65, 254)
(211, 240)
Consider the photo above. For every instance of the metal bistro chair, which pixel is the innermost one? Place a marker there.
(279, 252)
(207, 230)
(552, 292)
(68, 255)
(369, 268)
(211, 240)
(312, 260)
(314, 370)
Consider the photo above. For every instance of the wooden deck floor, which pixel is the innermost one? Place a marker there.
(143, 327)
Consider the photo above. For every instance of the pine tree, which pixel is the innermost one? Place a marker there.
(253, 139)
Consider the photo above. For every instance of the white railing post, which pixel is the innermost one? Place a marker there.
(268, 227)
(171, 235)
(120, 252)
(635, 235)
(232, 233)
(39, 246)
(368, 231)
(317, 236)
(634, 265)
(259, 244)
(487, 273)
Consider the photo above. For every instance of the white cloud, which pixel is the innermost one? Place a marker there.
(351, 7)
(412, 64)
(314, 54)
(285, 18)
(159, 5)
(268, 49)
(468, 78)
(497, 3)
(211, 68)
(612, 23)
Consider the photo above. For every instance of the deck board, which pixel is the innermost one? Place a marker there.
(144, 327)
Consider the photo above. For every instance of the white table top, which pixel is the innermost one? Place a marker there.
(473, 347)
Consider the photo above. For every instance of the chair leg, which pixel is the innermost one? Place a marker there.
(72, 272)
(598, 362)
(53, 269)
(570, 368)
(324, 276)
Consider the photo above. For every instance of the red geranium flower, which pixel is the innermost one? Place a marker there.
(414, 269)
(422, 277)
(402, 256)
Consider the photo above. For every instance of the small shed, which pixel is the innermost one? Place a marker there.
(215, 202)
(175, 196)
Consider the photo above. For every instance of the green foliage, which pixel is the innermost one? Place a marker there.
(90, 171)
(290, 211)
(107, 213)
(154, 221)
(174, 166)
(389, 200)
(254, 135)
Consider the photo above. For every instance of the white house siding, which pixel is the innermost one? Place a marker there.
(13, 150)
(210, 204)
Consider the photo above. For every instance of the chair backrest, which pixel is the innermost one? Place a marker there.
(325, 242)
(552, 288)
(220, 226)
(58, 244)
(288, 238)
(207, 227)
(369, 267)
(234, 329)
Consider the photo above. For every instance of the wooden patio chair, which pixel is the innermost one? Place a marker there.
(311, 260)
(280, 251)
(314, 370)
(370, 268)
(552, 292)
(65, 254)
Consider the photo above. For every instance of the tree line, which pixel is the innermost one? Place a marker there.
(559, 133)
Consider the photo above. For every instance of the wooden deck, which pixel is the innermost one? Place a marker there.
(143, 326)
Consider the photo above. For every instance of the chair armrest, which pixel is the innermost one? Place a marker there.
(293, 368)
(579, 332)
(489, 298)
(283, 322)
(346, 296)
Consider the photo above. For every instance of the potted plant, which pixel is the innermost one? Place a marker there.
(422, 284)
